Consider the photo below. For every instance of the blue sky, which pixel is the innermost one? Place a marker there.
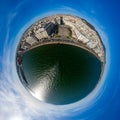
(16, 16)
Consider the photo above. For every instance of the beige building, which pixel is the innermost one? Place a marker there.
(41, 33)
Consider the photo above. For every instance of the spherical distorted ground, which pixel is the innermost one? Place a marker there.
(60, 74)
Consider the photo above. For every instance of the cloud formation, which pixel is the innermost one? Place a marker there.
(15, 101)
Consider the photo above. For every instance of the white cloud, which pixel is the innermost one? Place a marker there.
(66, 8)
(15, 102)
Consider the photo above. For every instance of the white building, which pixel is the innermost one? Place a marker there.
(41, 33)
(31, 40)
